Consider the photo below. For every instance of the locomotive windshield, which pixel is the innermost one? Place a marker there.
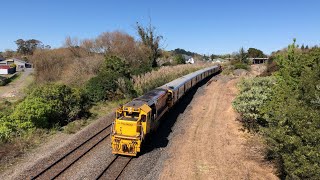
(133, 116)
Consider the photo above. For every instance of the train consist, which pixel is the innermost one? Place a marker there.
(138, 118)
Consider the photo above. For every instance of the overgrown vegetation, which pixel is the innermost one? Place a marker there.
(112, 82)
(254, 93)
(179, 59)
(45, 107)
(146, 82)
(285, 108)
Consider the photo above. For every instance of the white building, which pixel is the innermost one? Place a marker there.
(190, 61)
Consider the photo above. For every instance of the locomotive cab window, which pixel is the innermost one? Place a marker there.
(133, 116)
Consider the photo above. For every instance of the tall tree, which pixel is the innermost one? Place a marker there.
(242, 55)
(151, 40)
(213, 56)
(27, 47)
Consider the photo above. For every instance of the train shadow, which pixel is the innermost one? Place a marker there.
(159, 138)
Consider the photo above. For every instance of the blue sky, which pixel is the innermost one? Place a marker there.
(202, 26)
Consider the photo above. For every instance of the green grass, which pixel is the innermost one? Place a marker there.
(102, 108)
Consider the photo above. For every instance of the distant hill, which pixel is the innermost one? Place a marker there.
(182, 51)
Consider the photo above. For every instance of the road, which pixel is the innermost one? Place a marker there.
(15, 88)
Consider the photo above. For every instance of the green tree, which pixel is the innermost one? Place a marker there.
(182, 51)
(150, 40)
(293, 114)
(213, 56)
(112, 81)
(243, 55)
(255, 53)
(27, 47)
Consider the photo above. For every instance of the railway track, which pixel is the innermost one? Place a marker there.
(59, 166)
(115, 168)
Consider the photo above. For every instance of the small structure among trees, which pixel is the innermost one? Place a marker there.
(258, 60)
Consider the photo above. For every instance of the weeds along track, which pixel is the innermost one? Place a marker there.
(56, 168)
(115, 168)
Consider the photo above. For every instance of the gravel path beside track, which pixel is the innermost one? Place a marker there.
(208, 143)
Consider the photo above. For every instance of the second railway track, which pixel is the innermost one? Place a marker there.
(59, 166)
(115, 168)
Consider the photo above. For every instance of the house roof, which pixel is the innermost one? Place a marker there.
(186, 57)
(5, 67)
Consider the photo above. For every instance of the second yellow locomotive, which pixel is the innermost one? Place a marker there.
(138, 118)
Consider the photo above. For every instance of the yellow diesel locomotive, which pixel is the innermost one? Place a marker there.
(138, 118)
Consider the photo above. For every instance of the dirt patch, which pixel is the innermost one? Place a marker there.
(210, 143)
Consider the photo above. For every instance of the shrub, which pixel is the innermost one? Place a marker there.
(112, 82)
(254, 93)
(5, 131)
(179, 59)
(49, 105)
(3, 81)
(69, 103)
(240, 65)
(32, 112)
